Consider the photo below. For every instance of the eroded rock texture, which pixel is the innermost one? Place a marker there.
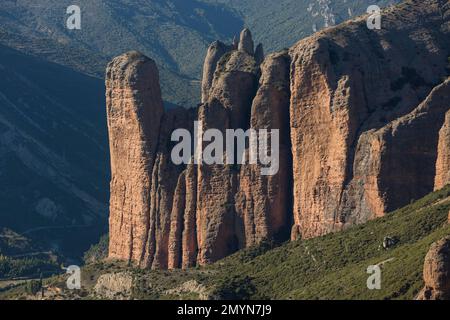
(362, 126)
(135, 109)
(359, 148)
(264, 202)
(215, 51)
(436, 272)
(218, 226)
(443, 161)
(246, 42)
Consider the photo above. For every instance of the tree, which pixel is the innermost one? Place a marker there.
(33, 286)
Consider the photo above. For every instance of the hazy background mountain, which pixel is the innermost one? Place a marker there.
(54, 170)
(53, 152)
(175, 33)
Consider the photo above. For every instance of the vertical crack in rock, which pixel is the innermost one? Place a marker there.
(165, 196)
(443, 160)
(264, 202)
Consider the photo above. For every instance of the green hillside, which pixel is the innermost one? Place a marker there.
(329, 267)
(334, 266)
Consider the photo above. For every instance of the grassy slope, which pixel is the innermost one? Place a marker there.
(329, 267)
(22, 257)
(334, 266)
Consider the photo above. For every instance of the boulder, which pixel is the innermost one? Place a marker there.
(436, 272)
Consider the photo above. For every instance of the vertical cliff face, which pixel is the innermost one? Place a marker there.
(359, 149)
(443, 161)
(263, 203)
(134, 109)
(362, 127)
(228, 107)
(215, 51)
(164, 201)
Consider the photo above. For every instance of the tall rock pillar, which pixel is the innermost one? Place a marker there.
(134, 110)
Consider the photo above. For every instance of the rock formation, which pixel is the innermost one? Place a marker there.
(134, 109)
(246, 42)
(228, 107)
(215, 51)
(436, 272)
(360, 148)
(363, 127)
(443, 160)
(263, 202)
(259, 54)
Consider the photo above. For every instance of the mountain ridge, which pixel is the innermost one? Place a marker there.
(52, 150)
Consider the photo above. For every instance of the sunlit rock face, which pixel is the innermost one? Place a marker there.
(361, 117)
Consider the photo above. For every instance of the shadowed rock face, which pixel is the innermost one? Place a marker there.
(443, 161)
(215, 51)
(363, 130)
(264, 202)
(436, 272)
(259, 54)
(246, 42)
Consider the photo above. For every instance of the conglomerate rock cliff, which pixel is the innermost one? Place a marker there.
(358, 148)
(362, 127)
(443, 160)
(436, 272)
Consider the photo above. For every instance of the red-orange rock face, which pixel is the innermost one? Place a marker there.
(436, 272)
(362, 125)
(359, 148)
(263, 203)
(228, 107)
(135, 108)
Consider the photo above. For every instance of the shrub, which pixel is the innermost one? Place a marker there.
(234, 288)
(33, 286)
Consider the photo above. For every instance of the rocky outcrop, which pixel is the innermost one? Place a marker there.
(263, 202)
(359, 148)
(246, 42)
(436, 272)
(190, 287)
(259, 54)
(362, 127)
(116, 286)
(134, 109)
(215, 51)
(234, 86)
(443, 160)
(164, 201)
